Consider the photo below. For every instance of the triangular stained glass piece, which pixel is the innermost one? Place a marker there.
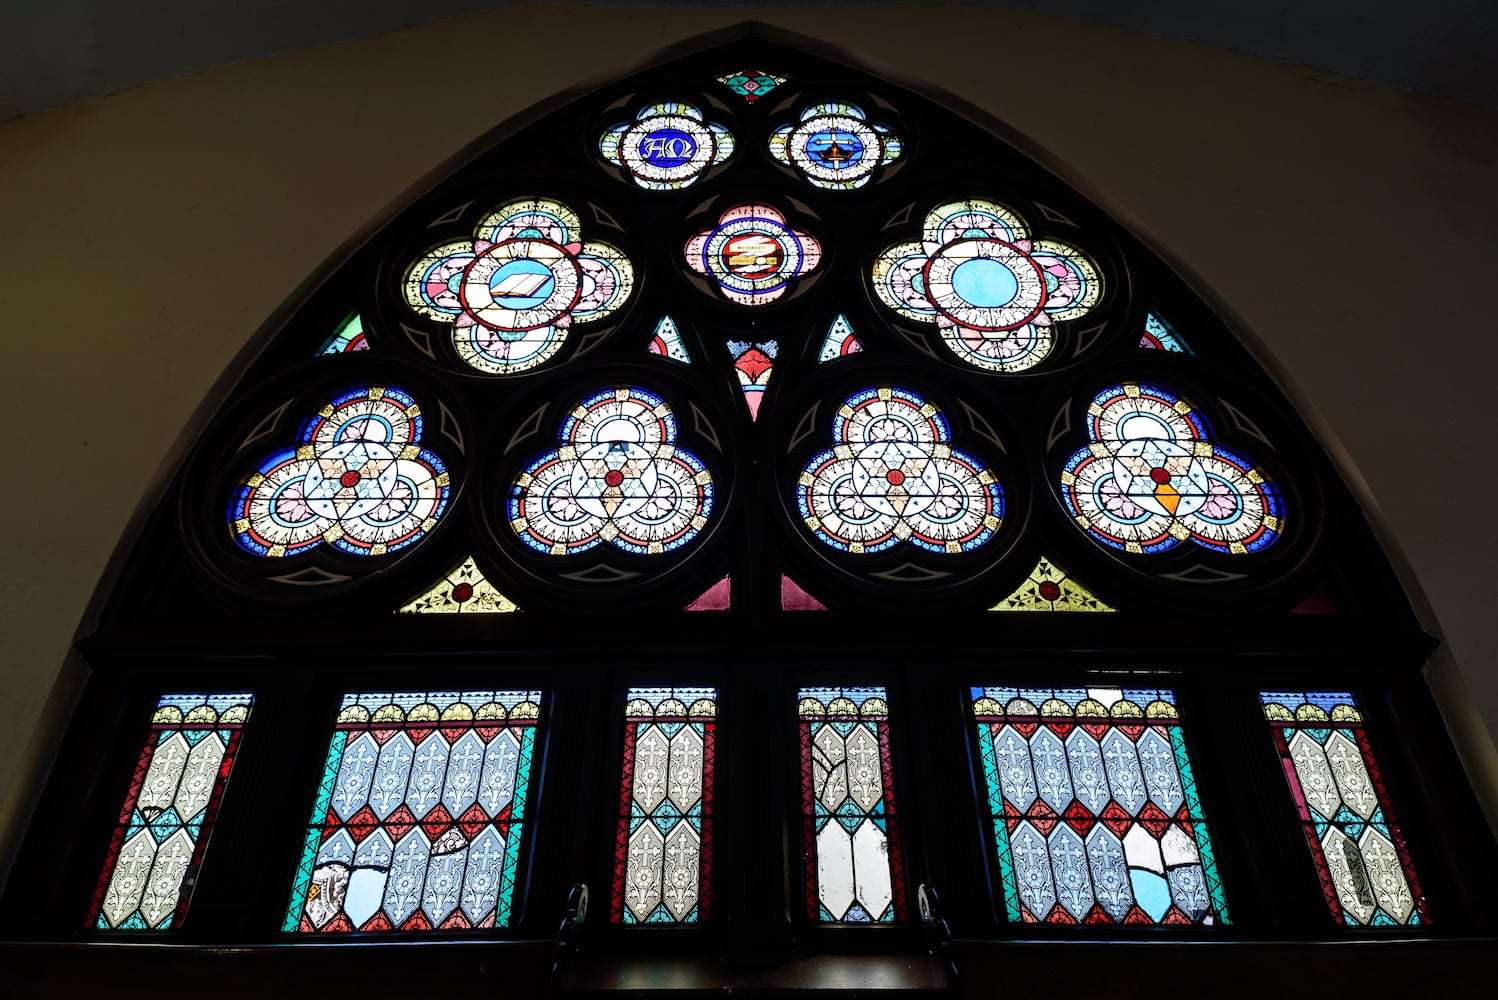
(754, 363)
(794, 598)
(667, 342)
(840, 341)
(348, 337)
(1317, 602)
(1158, 336)
(1048, 588)
(718, 597)
(751, 84)
(462, 591)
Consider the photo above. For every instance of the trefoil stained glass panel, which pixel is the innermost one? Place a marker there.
(163, 826)
(893, 476)
(419, 815)
(663, 853)
(1151, 477)
(357, 479)
(854, 870)
(1358, 848)
(617, 476)
(1094, 808)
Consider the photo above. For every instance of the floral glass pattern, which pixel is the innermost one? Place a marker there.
(1358, 848)
(753, 254)
(834, 146)
(1094, 809)
(1050, 588)
(854, 869)
(463, 591)
(893, 476)
(514, 289)
(618, 477)
(419, 814)
(663, 854)
(163, 826)
(994, 292)
(357, 479)
(1151, 478)
(668, 146)
(751, 84)
(753, 363)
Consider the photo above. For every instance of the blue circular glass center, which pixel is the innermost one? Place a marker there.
(521, 284)
(984, 282)
(836, 150)
(667, 147)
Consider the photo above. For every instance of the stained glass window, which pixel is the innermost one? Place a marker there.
(663, 854)
(357, 479)
(793, 597)
(893, 476)
(992, 290)
(753, 363)
(1359, 850)
(753, 254)
(512, 290)
(751, 84)
(1152, 478)
(348, 337)
(668, 145)
(164, 824)
(1159, 336)
(840, 341)
(1049, 588)
(1094, 809)
(463, 591)
(419, 815)
(718, 597)
(618, 477)
(667, 342)
(854, 869)
(834, 146)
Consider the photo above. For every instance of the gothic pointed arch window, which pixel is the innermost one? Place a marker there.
(659, 515)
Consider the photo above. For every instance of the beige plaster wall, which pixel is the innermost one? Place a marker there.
(144, 236)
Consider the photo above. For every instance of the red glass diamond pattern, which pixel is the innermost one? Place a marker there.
(1154, 820)
(399, 823)
(473, 821)
(1079, 817)
(1043, 818)
(1115, 819)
